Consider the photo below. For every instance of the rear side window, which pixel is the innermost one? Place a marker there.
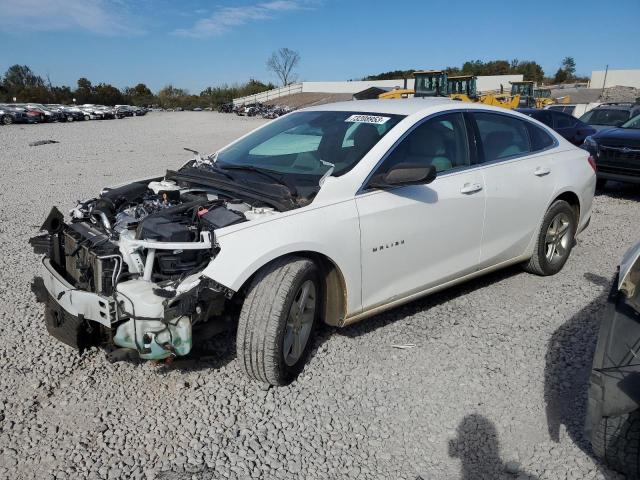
(539, 138)
(563, 121)
(502, 136)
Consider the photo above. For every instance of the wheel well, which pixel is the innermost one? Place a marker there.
(333, 285)
(573, 200)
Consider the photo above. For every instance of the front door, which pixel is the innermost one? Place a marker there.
(415, 237)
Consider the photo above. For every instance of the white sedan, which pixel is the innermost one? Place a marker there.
(332, 213)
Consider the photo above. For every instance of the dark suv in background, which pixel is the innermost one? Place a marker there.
(610, 115)
(616, 152)
(566, 125)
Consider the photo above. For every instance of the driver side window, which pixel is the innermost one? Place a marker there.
(440, 141)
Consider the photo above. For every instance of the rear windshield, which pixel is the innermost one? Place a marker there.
(605, 116)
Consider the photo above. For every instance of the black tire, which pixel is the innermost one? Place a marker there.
(539, 263)
(70, 118)
(87, 117)
(616, 441)
(7, 120)
(601, 183)
(263, 320)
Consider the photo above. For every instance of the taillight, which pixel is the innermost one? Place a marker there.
(592, 162)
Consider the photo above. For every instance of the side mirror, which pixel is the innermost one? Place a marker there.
(405, 174)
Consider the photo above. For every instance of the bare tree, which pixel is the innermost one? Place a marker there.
(282, 63)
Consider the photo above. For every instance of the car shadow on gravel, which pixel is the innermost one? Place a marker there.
(425, 303)
(477, 446)
(621, 191)
(568, 363)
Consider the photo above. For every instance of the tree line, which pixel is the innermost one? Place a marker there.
(529, 69)
(21, 83)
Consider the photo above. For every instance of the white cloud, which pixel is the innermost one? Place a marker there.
(226, 18)
(105, 17)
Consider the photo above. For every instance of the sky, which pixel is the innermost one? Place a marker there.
(193, 44)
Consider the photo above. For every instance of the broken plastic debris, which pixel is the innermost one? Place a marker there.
(404, 346)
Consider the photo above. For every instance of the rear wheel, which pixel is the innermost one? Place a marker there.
(277, 320)
(555, 240)
(70, 118)
(7, 120)
(616, 440)
(87, 117)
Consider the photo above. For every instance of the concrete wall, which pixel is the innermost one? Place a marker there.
(492, 82)
(625, 78)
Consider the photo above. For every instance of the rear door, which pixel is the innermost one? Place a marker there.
(567, 126)
(519, 182)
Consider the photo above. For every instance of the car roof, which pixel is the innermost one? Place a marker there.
(617, 106)
(528, 111)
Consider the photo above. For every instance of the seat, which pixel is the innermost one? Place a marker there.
(428, 147)
(499, 145)
(364, 138)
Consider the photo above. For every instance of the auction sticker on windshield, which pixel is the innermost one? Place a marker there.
(376, 120)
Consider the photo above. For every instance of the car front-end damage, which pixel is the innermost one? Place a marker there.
(125, 272)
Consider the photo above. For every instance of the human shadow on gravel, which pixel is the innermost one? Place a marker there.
(433, 300)
(478, 447)
(568, 363)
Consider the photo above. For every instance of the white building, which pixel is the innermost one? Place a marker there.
(625, 78)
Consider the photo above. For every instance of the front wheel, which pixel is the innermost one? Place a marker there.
(555, 240)
(7, 120)
(277, 320)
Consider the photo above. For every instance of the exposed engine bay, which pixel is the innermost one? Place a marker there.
(124, 272)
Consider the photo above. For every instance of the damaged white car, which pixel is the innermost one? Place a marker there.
(330, 214)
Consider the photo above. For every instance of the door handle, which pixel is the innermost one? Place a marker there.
(541, 171)
(471, 188)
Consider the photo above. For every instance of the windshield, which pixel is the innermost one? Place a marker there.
(632, 123)
(605, 116)
(307, 143)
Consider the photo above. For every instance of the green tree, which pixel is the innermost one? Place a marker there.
(85, 91)
(569, 66)
(139, 95)
(105, 94)
(561, 76)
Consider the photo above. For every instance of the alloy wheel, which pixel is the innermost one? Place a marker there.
(558, 238)
(299, 322)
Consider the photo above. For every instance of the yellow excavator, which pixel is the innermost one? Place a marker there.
(436, 83)
(531, 97)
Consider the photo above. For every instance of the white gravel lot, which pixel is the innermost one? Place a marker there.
(494, 388)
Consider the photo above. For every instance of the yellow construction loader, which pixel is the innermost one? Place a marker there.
(531, 97)
(436, 83)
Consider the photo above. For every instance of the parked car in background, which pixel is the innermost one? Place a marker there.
(613, 410)
(610, 115)
(577, 109)
(574, 130)
(34, 115)
(123, 111)
(10, 114)
(617, 152)
(330, 214)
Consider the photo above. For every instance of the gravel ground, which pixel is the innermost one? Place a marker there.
(494, 388)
